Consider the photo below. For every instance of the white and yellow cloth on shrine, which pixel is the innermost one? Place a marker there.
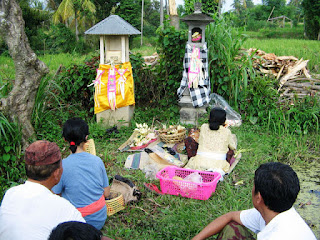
(124, 81)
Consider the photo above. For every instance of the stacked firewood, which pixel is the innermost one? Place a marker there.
(151, 60)
(292, 73)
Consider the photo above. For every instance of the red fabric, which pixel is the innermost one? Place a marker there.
(93, 207)
(191, 147)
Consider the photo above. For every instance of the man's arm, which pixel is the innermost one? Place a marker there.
(218, 224)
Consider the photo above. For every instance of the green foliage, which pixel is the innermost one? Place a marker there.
(56, 39)
(11, 168)
(311, 10)
(255, 17)
(103, 8)
(148, 47)
(278, 5)
(157, 86)
(6, 75)
(208, 6)
(74, 81)
(130, 10)
(47, 99)
(261, 106)
(229, 71)
(171, 49)
(288, 32)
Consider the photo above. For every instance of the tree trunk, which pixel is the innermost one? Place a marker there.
(29, 69)
(142, 5)
(161, 12)
(174, 17)
(76, 23)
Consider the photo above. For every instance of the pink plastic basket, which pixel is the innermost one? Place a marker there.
(201, 191)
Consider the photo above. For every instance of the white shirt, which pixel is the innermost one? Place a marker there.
(286, 225)
(31, 211)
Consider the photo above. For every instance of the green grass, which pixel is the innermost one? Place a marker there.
(306, 49)
(66, 59)
(276, 32)
(53, 61)
(174, 217)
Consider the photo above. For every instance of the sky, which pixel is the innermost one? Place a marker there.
(225, 7)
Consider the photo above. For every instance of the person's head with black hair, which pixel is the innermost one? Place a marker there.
(217, 118)
(278, 185)
(75, 131)
(75, 231)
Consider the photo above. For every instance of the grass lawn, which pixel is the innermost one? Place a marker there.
(175, 217)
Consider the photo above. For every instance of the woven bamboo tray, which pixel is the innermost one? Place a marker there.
(173, 138)
(115, 204)
(90, 147)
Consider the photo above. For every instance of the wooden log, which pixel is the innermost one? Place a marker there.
(279, 73)
(305, 79)
(282, 58)
(268, 71)
(303, 85)
(306, 73)
(299, 66)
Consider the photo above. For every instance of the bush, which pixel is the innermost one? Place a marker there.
(261, 106)
(57, 39)
(11, 168)
(158, 86)
(73, 81)
(229, 71)
(256, 25)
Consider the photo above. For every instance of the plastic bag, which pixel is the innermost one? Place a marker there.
(151, 170)
(194, 177)
(233, 118)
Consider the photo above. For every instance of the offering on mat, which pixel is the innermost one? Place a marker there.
(172, 129)
(145, 135)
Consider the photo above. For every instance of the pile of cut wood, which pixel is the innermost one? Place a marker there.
(292, 73)
(151, 60)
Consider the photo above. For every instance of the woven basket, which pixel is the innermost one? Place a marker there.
(173, 138)
(115, 204)
(90, 147)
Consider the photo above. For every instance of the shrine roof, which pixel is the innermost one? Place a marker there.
(197, 17)
(113, 25)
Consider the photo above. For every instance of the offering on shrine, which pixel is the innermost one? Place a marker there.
(196, 37)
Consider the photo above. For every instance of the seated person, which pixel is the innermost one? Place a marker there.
(31, 210)
(76, 231)
(276, 187)
(214, 142)
(84, 181)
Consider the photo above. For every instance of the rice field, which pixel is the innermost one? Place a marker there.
(306, 49)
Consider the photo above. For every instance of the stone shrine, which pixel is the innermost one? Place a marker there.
(114, 35)
(194, 90)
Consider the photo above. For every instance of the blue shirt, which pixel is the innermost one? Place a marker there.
(82, 182)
